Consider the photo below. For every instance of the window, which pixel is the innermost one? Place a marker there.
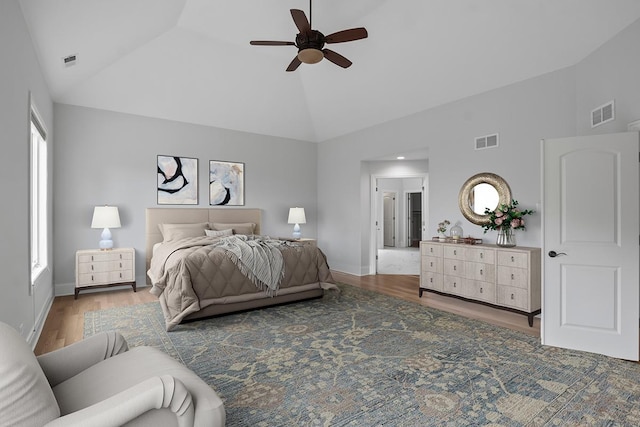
(39, 215)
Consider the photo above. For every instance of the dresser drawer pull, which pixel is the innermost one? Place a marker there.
(92, 277)
(120, 265)
(431, 264)
(121, 275)
(454, 284)
(91, 257)
(481, 255)
(430, 279)
(91, 267)
(481, 272)
(480, 290)
(512, 296)
(455, 252)
(513, 259)
(455, 268)
(512, 277)
(120, 256)
(431, 250)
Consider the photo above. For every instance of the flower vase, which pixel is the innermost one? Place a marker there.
(506, 238)
(442, 237)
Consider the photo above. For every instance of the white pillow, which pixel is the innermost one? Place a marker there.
(180, 231)
(220, 233)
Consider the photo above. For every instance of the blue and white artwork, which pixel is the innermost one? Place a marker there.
(226, 183)
(177, 180)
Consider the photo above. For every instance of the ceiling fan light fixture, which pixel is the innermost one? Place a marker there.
(310, 56)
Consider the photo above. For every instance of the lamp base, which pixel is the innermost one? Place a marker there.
(106, 243)
(296, 232)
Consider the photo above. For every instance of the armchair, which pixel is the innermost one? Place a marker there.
(100, 382)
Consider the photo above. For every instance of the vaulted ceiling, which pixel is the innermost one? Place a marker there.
(190, 60)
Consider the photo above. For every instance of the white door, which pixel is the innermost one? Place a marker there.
(389, 220)
(591, 224)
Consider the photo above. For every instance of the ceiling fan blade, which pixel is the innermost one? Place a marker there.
(336, 58)
(294, 64)
(301, 21)
(270, 43)
(347, 35)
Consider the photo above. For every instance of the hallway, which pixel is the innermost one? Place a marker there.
(399, 261)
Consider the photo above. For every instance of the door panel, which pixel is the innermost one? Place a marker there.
(591, 216)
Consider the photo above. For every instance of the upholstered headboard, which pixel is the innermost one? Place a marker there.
(155, 216)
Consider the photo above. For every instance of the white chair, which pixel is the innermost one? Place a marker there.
(99, 382)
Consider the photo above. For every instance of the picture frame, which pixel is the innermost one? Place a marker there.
(226, 183)
(177, 180)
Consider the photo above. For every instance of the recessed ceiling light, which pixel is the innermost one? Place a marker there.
(400, 157)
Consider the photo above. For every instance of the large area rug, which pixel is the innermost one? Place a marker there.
(357, 358)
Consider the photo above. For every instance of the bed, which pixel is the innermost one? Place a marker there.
(195, 275)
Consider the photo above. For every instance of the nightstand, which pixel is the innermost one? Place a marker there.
(97, 268)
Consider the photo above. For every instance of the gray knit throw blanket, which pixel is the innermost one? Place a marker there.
(258, 258)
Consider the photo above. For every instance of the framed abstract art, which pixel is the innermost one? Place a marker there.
(226, 183)
(177, 180)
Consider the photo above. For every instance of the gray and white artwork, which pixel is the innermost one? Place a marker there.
(177, 180)
(226, 183)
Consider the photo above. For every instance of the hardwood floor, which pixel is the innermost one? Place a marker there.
(65, 321)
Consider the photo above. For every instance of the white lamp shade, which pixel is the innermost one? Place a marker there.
(105, 217)
(296, 216)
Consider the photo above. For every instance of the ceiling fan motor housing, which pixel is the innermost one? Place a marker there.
(310, 46)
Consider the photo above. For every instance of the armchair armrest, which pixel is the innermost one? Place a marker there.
(153, 393)
(64, 363)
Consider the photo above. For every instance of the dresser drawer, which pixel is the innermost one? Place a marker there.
(104, 256)
(431, 249)
(511, 276)
(454, 252)
(479, 290)
(511, 296)
(513, 259)
(430, 280)
(431, 263)
(454, 285)
(480, 271)
(97, 267)
(485, 255)
(453, 267)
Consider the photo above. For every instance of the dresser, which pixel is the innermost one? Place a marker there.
(506, 278)
(104, 268)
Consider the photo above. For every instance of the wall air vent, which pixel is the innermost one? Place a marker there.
(603, 114)
(70, 60)
(487, 141)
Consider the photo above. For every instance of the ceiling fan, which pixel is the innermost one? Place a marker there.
(310, 42)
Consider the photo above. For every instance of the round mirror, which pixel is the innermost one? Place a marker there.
(482, 191)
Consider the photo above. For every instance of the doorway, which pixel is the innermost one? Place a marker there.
(397, 224)
(414, 210)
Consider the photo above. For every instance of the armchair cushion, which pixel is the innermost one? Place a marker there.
(119, 373)
(64, 363)
(25, 395)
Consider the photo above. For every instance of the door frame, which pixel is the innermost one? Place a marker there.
(373, 228)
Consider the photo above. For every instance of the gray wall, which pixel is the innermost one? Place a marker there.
(19, 75)
(103, 157)
(550, 106)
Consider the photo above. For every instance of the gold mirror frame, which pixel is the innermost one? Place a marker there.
(501, 186)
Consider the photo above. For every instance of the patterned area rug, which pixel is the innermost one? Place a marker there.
(358, 358)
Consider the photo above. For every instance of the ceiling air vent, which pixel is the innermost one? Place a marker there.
(603, 114)
(70, 60)
(487, 141)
